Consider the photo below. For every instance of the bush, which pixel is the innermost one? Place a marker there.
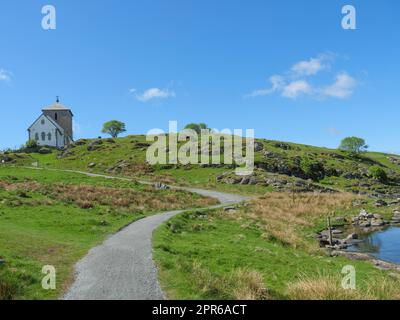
(312, 169)
(378, 173)
(31, 144)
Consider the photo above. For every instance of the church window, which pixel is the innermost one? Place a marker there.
(42, 121)
(56, 116)
(43, 136)
(37, 136)
(49, 136)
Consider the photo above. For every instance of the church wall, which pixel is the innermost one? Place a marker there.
(46, 128)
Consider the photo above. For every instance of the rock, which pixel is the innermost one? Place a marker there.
(365, 224)
(269, 154)
(363, 213)
(80, 142)
(258, 146)
(377, 223)
(283, 146)
(230, 209)
(395, 220)
(110, 140)
(253, 180)
(337, 231)
(377, 216)
(91, 165)
(161, 186)
(352, 236)
(245, 180)
(380, 203)
(44, 150)
(355, 220)
(94, 145)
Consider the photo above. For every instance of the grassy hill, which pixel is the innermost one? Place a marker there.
(280, 166)
(53, 218)
(264, 249)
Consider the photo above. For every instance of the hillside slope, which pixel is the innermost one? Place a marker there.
(279, 166)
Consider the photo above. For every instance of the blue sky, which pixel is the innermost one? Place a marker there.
(285, 68)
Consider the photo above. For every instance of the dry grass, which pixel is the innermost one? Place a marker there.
(281, 218)
(87, 196)
(7, 291)
(240, 284)
(329, 288)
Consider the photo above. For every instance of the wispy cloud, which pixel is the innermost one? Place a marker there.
(5, 76)
(277, 83)
(342, 88)
(295, 83)
(296, 88)
(152, 93)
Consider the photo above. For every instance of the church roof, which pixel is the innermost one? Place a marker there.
(56, 106)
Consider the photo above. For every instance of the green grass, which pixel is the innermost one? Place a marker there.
(38, 227)
(200, 255)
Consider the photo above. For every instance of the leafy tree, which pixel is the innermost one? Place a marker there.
(196, 127)
(378, 173)
(31, 144)
(113, 128)
(353, 144)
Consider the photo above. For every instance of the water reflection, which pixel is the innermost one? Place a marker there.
(384, 244)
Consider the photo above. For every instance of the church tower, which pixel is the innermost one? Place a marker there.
(63, 117)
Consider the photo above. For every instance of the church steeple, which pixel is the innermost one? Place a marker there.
(57, 99)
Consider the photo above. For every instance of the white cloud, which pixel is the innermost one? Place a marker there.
(277, 83)
(5, 75)
(296, 88)
(309, 67)
(293, 83)
(153, 93)
(342, 88)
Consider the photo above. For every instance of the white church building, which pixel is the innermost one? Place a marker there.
(54, 126)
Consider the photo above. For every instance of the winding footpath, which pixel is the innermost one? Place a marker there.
(122, 268)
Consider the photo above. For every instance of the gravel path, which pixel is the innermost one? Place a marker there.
(122, 267)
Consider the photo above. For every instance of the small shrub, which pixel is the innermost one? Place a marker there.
(31, 144)
(378, 173)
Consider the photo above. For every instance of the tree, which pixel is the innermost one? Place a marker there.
(113, 128)
(353, 144)
(196, 127)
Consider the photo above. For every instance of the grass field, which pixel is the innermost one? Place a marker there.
(264, 250)
(54, 218)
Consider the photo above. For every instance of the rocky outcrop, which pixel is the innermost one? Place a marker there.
(94, 145)
(278, 182)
